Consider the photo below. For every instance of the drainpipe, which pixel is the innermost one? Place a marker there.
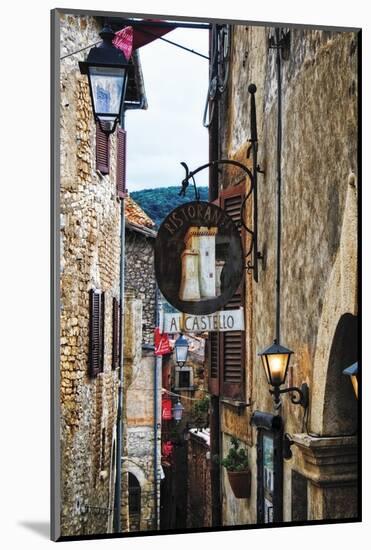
(279, 183)
(119, 427)
(157, 374)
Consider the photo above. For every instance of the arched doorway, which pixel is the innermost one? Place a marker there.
(340, 403)
(134, 503)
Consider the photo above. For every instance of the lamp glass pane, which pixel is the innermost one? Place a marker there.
(181, 353)
(355, 384)
(107, 86)
(178, 412)
(277, 367)
(265, 365)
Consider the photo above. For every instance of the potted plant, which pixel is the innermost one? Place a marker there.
(237, 465)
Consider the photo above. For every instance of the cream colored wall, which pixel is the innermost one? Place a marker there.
(319, 222)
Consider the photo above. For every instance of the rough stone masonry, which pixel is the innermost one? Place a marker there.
(90, 248)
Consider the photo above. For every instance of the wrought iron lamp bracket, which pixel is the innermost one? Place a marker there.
(299, 396)
(252, 252)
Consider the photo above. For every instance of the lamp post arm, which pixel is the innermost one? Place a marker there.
(302, 397)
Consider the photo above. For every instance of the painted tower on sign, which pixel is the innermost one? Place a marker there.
(199, 269)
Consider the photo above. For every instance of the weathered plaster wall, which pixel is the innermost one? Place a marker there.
(319, 220)
(90, 230)
(139, 421)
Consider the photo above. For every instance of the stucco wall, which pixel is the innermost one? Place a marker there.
(319, 220)
(139, 419)
(90, 244)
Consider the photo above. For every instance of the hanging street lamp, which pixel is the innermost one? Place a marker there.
(352, 371)
(181, 350)
(178, 411)
(276, 359)
(107, 70)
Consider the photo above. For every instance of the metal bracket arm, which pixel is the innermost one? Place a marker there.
(302, 397)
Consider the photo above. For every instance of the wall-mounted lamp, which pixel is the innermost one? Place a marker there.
(352, 371)
(276, 359)
(178, 411)
(181, 350)
(106, 67)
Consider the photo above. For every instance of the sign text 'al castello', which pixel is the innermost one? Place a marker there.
(220, 321)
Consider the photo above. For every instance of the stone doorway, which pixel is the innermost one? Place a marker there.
(134, 503)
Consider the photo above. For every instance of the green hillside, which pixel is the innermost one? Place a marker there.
(157, 203)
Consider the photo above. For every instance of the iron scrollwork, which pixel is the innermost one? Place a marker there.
(252, 252)
(298, 396)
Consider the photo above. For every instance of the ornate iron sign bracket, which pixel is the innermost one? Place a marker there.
(252, 254)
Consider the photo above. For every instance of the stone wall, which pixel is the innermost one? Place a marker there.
(318, 246)
(140, 277)
(90, 248)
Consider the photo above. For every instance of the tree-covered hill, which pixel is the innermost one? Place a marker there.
(157, 203)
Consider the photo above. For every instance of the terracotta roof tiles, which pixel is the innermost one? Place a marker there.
(135, 215)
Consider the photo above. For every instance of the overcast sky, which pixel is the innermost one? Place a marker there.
(170, 130)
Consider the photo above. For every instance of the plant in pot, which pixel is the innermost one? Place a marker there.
(237, 465)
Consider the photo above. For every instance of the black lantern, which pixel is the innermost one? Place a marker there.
(178, 411)
(352, 371)
(106, 67)
(181, 350)
(276, 359)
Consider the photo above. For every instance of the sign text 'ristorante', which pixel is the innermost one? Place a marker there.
(198, 258)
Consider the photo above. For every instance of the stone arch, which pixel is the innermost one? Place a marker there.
(132, 468)
(135, 473)
(338, 317)
(135, 503)
(340, 403)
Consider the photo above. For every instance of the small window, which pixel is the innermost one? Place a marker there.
(184, 378)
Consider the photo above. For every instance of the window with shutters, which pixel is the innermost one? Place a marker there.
(232, 356)
(115, 333)
(102, 150)
(226, 350)
(96, 332)
(121, 163)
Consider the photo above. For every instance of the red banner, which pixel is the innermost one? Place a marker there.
(162, 344)
(167, 449)
(167, 413)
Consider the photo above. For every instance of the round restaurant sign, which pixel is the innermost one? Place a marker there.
(198, 258)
